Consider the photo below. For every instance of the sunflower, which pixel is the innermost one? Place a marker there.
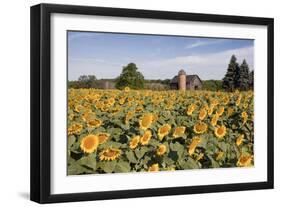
(127, 89)
(220, 131)
(161, 150)
(103, 137)
(202, 114)
(89, 143)
(245, 161)
(169, 106)
(111, 101)
(163, 131)
(214, 120)
(99, 105)
(238, 101)
(190, 109)
(78, 108)
(87, 116)
(122, 101)
(146, 121)
(244, 116)
(129, 116)
(70, 117)
(230, 111)
(193, 145)
(134, 142)
(200, 128)
(153, 168)
(210, 110)
(225, 100)
(74, 129)
(239, 140)
(245, 105)
(94, 123)
(214, 102)
(110, 154)
(220, 110)
(155, 117)
(139, 109)
(145, 137)
(219, 155)
(179, 131)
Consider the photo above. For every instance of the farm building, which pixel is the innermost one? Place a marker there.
(183, 82)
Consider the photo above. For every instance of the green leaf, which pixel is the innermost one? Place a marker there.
(89, 161)
(223, 146)
(131, 157)
(76, 169)
(168, 160)
(188, 164)
(71, 141)
(177, 147)
(203, 143)
(192, 163)
(215, 164)
(154, 143)
(115, 131)
(140, 152)
(122, 166)
(107, 166)
(111, 144)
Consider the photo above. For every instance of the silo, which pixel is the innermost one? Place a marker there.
(182, 80)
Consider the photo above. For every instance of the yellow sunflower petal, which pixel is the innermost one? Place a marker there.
(134, 142)
(163, 131)
(153, 168)
(161, 150)
(220, 131)
(193, 145)
(110, 154)
(145, 137)
(89, 143)
(200, 128)
(146, 121)
(179, 131)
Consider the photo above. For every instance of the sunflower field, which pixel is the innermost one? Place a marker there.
(114, 131)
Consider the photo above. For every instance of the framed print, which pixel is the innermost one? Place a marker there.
(133, 103)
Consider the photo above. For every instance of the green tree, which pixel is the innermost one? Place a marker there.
(87, 81)
(243, 78)
(212, 85)
(251, 80)
(229, 81)
(84, 81)
(130, 77)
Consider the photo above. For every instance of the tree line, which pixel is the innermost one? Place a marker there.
(130, 76)
(236, 77)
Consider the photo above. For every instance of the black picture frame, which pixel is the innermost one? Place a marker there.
(41, 99)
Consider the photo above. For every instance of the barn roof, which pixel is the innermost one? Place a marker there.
(189, 78)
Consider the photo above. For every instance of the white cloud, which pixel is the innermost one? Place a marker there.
(201, 43)
(207, 66)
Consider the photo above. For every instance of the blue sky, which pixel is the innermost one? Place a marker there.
(156, 56)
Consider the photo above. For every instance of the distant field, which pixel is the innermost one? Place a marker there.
(142, 130)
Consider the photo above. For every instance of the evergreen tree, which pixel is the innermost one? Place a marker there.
(230, 79)
(251, 80)
(130, 77)
(243, 77)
